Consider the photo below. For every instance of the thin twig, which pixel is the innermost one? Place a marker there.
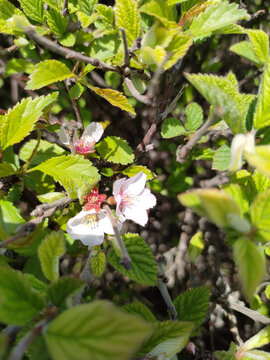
(164, 290)
(65, 8)
(85, 275)
(25, 166)
(70, 135)
(75, 105)
(126, 52)
(154, 85)
(137, 43)
(135, 93)
(68, 53)
(125, 259)
(9, 50)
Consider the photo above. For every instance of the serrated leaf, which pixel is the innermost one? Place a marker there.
(135, 169)
(57, 22)
(168, 330)
(106, 14)
(10, 219)
(196, 246)
(260, 213)
(111, 333)
(114, 97)
(128, 17)
(262, 111)
(7, 169)
(222, 158)
(19, 121)
(251, 263)
(49, 252)
(160, 10)
(171, 128)
(48, 72)
(221, 92)
(85, 19)
(87, 6)
(76, 91)
(55, 4)
(194, 116)
(246, 49)
(15, 66)
(137, 307)
(50, 197)
(216, 16)
(260, 159)
(144, 270)
(260, 42)
(68, 39)
(188, 5)
(7, 9)
(34, 9)
(64, 289)
(45, 151)
(178, 47)
(19, 303)
(116, 150)
(152, 56)
(192, 305)
(258, 340)
(98, 263)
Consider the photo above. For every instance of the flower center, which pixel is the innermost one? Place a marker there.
(127, 200)
(94, 200)
(85, 145)
(91, 220)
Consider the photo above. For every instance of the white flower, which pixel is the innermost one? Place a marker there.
(133, 199)
(89, 227)
(241, 143)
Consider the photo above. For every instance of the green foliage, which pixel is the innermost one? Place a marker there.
(222, 158)
(246, 49)
(192, 305)
(171, 128)
(111, 333)
(135, 169)
(34, 9)
(115, 150)
(98, 263)
(260, 214)
(128, 17)
(19, 303)
(144, 270)
(87, 6)
(258, 340)
(10, 219)
(7, 169)
(196, 246)
(60, 293)
(57, 22)
(137, 307)
(260, 42)
(48, 72)
(106, 14)
(15, 66)
(260, 159)
(194, 117)
(76, 91)
(160, 10)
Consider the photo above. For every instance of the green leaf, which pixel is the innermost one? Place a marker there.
(196, 246)
(168, 330)
(260, 42)
(68, 40)
(7, 9)
(222, 158)
(106, 14)
(143, 270)
(116, 150)
(62, 291)
(135, 169)
(19, 121)
(87, 6)
(171, 128)
(246, 49)
(51, 197)
(10, 219)
(137, 307)
(221, 92)
(98, 263)
(260, 213)
(260, 159)
(34, 9)
(45, 151)
(192, 305)
(114, 97)
(96, 331)
(251, 263)
(49, 252)
(15, 66)
(194, 117)
(216, 16)
(128, 17)
(48, 72)
(76, 91)
(160, 10)
(188, 5)
(262, 111)
(177, 48)
(7, 169)
(19, 303)
(258, 340)
(57, 22)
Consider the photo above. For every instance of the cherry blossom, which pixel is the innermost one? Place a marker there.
(89, 227)
(133, 199)
(94, 200)
(241, 143)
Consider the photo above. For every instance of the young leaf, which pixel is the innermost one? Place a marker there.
(65, 288)
(76, 91)
(160, 10)
(192, 305)
(128, 17)
(137, 307)
(97, 331)
(135, 169)
(98, 263)
(15, 66)
(178, 47)
(260, 213)
(57, 22)
(114, 97)
(246, 49)
(19, 303)
(48, 72)
(10, 219)
(7, 169)
(196, 246)
(222, 158)
(260, 42)
(251, 263)
(49, 252)
(19, 121)
(116, 150)
(87, 6)
(144, 270)
(106, 14)
(258, 340)
(194, 117)
(171, 128)
(262, 111)
(34, 9)
(260, 159)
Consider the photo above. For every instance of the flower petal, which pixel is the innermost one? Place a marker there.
(135, 184)
(94, 131)
(137, 214)
(147, 199)
(117, 186)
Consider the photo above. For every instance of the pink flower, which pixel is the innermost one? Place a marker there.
(94, 200)
(133, 199)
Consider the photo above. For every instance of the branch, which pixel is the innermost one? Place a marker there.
(125, 259)
(68, 53)
(65, 8)
(70, 136)
(126, 52)
(75, 105)
(8, 50)
(135, 93)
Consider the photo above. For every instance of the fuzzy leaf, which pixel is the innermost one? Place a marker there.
(260, 213)
(128, 17)
(98, 263)
(34, 9)
(160, 10)
(137, 307)
(262, 111)
(192, 305)
(106, 14)
(194, 117)
(19, 303)
(260, 159)
(135, 169)
(258, 340)
(260, 42)
(87, 6)
(171, 128)
(19, 121)
(48, 72)
(116, 150)
(178, 47)
(65, 288)
(49, 251)
(57, 22)
(114, 97)
(246, 49)
(76, 91)
(222, 158)
(109, 333)
(251, 263)
(143, 269)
